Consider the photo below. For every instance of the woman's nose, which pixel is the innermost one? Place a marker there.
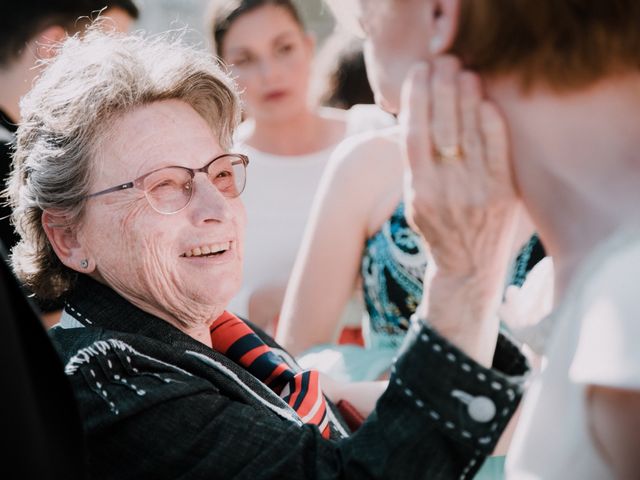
(268, 69)
(208, 203)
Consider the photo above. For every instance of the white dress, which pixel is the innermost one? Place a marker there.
(278, 197)
(595, 341)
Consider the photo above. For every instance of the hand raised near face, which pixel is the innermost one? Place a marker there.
(459, 191)
(460, 196)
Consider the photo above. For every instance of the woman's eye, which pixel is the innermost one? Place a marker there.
(163, 184)
(286, 48)
(242, 61)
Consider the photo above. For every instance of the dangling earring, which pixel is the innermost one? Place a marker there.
(84, 263)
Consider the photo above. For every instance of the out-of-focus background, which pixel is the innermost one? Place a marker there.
(161, 15)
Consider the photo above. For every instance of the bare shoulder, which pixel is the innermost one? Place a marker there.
(371, 155)
(364, 177)
(335, 114)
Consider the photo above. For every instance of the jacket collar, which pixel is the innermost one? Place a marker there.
(96, 305)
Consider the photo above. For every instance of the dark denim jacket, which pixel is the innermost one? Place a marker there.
(158, 404)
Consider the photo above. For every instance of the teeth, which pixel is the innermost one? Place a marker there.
(207, 249)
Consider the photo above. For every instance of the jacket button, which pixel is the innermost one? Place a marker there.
(481, 409)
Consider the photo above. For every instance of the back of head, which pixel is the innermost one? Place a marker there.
(561, 44)
(95, 79)
(222, 14)
(20, 21)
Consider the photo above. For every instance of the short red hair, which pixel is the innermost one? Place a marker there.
(563, 44)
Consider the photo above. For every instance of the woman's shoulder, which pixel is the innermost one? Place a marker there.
(359, 118)
(367, 117)
(375, 153)
(366, 171)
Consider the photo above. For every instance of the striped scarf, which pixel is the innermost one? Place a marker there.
(235, 339)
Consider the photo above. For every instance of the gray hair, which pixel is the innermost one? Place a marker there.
(95, 79)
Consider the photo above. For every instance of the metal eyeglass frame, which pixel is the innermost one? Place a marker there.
(137, 183)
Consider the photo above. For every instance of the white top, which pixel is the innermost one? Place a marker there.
(278, 197)
(594, 342)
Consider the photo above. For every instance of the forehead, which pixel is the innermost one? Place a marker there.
(160, 134)
(259, 25)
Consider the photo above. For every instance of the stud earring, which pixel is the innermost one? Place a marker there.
(84, 263)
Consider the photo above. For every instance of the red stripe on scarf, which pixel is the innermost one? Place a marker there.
(227, 329)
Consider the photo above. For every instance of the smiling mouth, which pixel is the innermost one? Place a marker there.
(209, 250)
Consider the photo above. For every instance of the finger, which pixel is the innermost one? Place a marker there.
(415, 121)
(471, 137)
(445, 122)
(496, 143)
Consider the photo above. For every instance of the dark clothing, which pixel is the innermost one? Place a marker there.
(8, 128)
(8, 234)
(39, 419)
(158, 404)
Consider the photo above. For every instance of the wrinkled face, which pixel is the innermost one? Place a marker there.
(397, 35)
(159, 261)
(271, 57)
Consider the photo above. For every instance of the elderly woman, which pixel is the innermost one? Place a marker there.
(128, 206)
(566, 75)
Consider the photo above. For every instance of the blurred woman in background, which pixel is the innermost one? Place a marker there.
(288, 138)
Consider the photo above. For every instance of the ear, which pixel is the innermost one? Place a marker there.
(48, 41)
(66, 243)
(445, 20)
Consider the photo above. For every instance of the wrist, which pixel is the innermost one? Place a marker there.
(463, 309)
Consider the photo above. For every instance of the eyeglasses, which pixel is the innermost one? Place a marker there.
(170, 189)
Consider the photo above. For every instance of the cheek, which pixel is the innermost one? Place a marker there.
(241, 223)
(303, 81)
(145, 242)
(298, 67)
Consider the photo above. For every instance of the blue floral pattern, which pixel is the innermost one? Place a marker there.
(393, 265)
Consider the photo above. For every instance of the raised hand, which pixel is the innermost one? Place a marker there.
(460, 196)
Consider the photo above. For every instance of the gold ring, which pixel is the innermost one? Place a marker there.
(451, 153)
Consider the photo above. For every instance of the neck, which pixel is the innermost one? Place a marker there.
(185, 314)
(195, 321)
(576, 163)
(303, 133)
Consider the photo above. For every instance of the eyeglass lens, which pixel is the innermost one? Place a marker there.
(170, 189)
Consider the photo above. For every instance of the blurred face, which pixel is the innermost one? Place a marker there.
(186, 265)
(271, 57)
(397, 35)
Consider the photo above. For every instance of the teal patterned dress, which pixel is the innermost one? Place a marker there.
(393, 265)
(392, 268)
